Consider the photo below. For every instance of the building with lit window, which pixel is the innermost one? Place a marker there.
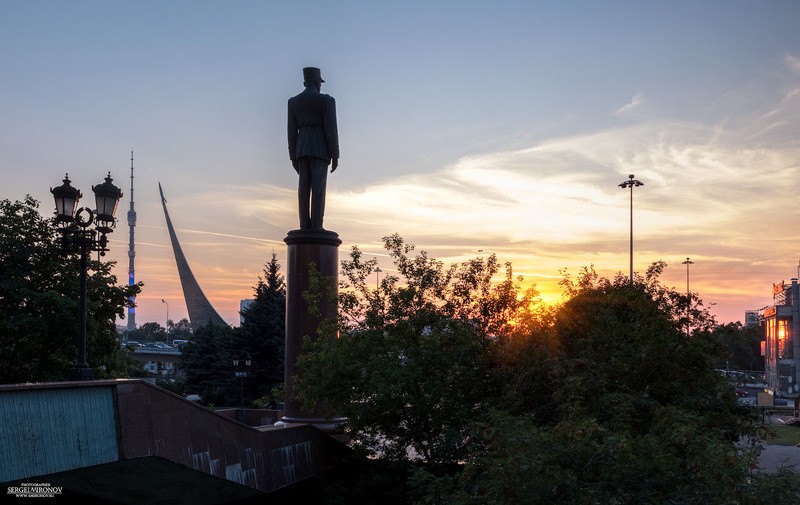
(782, 340)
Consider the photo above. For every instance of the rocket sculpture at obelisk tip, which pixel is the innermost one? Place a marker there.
(201, 312)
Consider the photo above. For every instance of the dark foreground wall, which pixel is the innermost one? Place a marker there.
(55, 427)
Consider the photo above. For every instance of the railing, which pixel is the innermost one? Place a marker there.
(157, 350)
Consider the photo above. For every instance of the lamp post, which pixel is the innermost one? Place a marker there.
(241, 366)
(77, 236)
(688, 293)
(377, 277)
(166, 325)
(630, 183)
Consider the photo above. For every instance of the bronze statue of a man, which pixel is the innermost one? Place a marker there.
(313, 145)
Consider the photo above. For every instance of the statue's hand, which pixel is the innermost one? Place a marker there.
(296, 166)
(334, 164)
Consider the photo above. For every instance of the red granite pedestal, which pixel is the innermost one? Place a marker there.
(306, 249)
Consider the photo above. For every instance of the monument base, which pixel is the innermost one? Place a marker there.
(308, 250)
(81, 373)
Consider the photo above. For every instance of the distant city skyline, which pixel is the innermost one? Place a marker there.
(503, 127)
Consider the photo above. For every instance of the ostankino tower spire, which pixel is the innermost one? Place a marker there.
(131, 255)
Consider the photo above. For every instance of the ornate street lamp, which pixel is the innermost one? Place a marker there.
(630, 183)
(242, 366)
(77, 236)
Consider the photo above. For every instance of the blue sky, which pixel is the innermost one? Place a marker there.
(502, 126)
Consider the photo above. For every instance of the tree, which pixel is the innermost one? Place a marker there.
(604, 399)
(412, 367)
(208, 364)
(148, 332)
(182, 330)
(742, 346)
(208, 358)
(625, 407)
(39, 302)
(262, 334)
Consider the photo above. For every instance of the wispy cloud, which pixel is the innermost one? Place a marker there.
(628, 107)
(793, 62)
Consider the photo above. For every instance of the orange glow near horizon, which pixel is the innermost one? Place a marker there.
(226, 286)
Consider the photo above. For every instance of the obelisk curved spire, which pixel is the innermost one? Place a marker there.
(201, 312)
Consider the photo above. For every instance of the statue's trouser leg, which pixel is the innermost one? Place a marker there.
(304, 192)
(319, 180)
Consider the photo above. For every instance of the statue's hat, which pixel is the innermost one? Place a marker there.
(311, 73)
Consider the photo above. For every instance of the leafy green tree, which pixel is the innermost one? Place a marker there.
(604, 399)
(182, 330)
(148, 333)
(39, 302)
(37, 326)
(617, 404)
(742, 346)
(412, 365)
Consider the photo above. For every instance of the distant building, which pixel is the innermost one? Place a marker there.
(752, 317)
(243, 305)
(782, 340)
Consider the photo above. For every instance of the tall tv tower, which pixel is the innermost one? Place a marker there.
(131, 255)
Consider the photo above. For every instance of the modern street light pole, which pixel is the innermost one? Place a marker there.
(687, 263)
(630, 183)
(166, 325)
(377, 277)
(78, 237)
(688, 293)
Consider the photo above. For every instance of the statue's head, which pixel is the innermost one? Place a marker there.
(312, 74)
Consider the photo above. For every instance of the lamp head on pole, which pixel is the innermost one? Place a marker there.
(631, 182)
(106, 197)
(66, 198)
(244, 361)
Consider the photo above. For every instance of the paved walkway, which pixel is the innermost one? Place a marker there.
(775, 456)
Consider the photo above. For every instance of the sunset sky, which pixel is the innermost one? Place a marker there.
(498, 126)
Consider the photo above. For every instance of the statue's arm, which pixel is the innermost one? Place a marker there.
(291, 135)
(332, 133)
